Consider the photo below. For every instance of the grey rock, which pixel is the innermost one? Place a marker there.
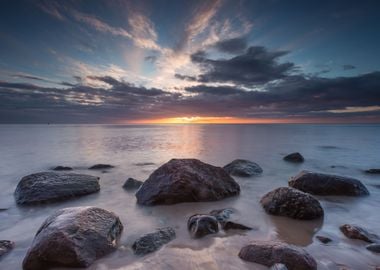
(186, 180)
(62, 168)
(132, 183)
(73, 237)
(243, 168)
(323, 239)
(278, 266)
(356, 232)
(200, 225)
(373, 171)
(101, 167)
(294, 157)
(374, 248)
(153, 241)
(5, 246)
(269, 253)
(291, 203)
(230, 225)
(222, 214)
(327, 184)
(51, 186)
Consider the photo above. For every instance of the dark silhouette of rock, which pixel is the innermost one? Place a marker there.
(51, 186)
(153, 241)
(230, 225)
(200, 225)
(186, 180)
(62, 168)
(374, 248)
(323, 239)
(5, 246)
(243, 168)
(101, 167)
(327, 184)
(278, 266)
(291, 203)
(373, 171)
(73, 237)
(294, 157)
(144, 163)
(132, 183)
(356, 232)
(222, 214)
(269, 253)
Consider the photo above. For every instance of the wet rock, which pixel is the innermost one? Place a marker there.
(132, 183)
(291, 203)
(50, 186)
(144, 163)
(186, 180)
(153, 241)
(323, 239)
(373, 171)
(269, 253)
(374, 248)
(101, 167)
(327, 184)
(73, 237)
(5, 246)
(229, 225)
(294, 157)
(62, 168)
(356, 232)
(243, 168)
(278, 266)
(222, 214)
(201, 225)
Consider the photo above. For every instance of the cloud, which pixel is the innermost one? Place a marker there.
(348, 67)
(232, 46)
(185, 77)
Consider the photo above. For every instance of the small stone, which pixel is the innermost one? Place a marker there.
(373, 171)
(222, 214)
(101, 167)
(278, 266)
(132, 183)
(323, 239)
(356, 232)
(153, 241)
(5, 246)
(243, 168)
(294, 157)
(374, 248)
(62, 168)
(201, 225)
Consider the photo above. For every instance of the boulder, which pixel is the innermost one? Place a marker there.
(323, 239)
(374, 248)
(356, 232)
(327, 184)
(101, 167)
(373, 171)
(5, 246)
(291, 203)
(269, 253)
(51, 186)
(62, 168)
(222, 214)
(201, 225)
(186, 180)
(153, 241)
(243, 168)
(73, 237)
(132, 183)
(294, 157)
(278, 266)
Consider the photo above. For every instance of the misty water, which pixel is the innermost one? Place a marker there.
(137, 151)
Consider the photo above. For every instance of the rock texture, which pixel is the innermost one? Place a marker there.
(373, 171)
(294, 157)
(132, 183)
(327, 184)
(278, 266)
(153, 241)
(201, 225)
(222, 214)
(62, 168)
(374, 248)
(5, 246)
(50, 186)
(323, 239)
(356, 232)
(291, 203)
(186, 180)
(243, 168)
(101, 167)
(73, 237)
(269, 253)
(230, 225)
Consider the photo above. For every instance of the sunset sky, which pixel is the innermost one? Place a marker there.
(190, 61)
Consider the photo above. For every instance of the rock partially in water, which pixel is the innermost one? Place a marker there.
(291, 203)
(144, 163)
(327, 184)
(230, 225)
(373, 171)
(73, 237)
(356, 232)
(374, 248)
(269, 253)
(222, 214)
(243, 168)
(50, 186)
(101, 167)
(132, 183)
(186, 180)
(151, 242)
(294, 157)
(200, 225)
(5, 246)
(62, 168)
(323, 239)
(278, 266)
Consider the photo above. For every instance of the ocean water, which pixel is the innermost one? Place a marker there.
(137, 151)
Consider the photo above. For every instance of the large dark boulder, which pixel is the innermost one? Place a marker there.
(73, 237)
(151, 242)
(294, 157)
(186, 180)
(356, 232)
(291, 203)
(243, 168)
(200, 225)
(269, 253)
(132, 183)
(101, 167)
(50, 186)
(5, 246)
(327, 184)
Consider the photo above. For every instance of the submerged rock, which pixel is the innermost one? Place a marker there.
(230, 225)
(153, 241)
(269, 253)
(278, 266)
(200, 225)
(73, 237)
(62, 168)
(243, 168)
(356, 232)
(132, 183)
(373, 171)
(291, 203)
(294, 157)
(222, 214)
(50, 186)
(323, 239)
(101, 167)
(327, 184)
(186, 180)
(5, 246)
(374, 248)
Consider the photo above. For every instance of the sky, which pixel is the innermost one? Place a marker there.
(190, 61)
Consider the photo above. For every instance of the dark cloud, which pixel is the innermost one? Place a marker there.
(348, 67)
(232, 46)
(151, 58)
(185, 77)
(209, 90)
